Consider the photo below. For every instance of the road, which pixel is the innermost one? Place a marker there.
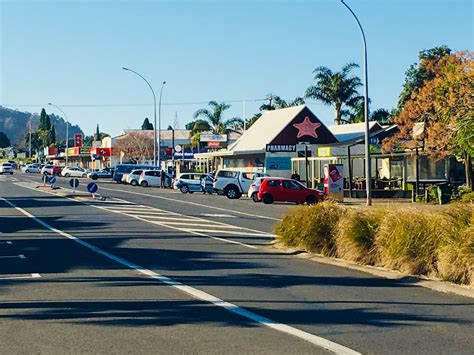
(152, 270)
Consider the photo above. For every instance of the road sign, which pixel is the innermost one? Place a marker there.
(92, 187)
(74, 183)
(177, 148)
(52, 180)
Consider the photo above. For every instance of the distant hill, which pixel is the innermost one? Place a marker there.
(15, 124)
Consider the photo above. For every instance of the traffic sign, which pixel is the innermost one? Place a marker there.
(177, 148)
(74, 183)
(92, 187)
(52, 180)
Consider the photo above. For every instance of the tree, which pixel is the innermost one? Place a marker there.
(170, 128)
(52, 135)
(444, 105)
(147, 126)
(276, 102)
(215, 117)
(417, 74)
(337, 89)
(42, 124)
(97, 136)
(136, 146)
(382, 116)
(4, 140)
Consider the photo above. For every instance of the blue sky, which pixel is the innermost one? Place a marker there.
(71, 52)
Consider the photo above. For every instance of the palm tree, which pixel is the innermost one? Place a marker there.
(336, 89)
(276, 102)
(216, 120)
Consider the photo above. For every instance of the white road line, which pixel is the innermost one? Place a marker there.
(21, 256)
(7, 242)
(156, 217)
(32, 276)
(155, 222)
(193, 203)
(227, 231)
(198, 294)
(190, 224)
(218, 215)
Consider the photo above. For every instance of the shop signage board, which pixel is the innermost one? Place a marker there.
(78, 139)
(278, 163)
(334, 181)
(324, 151)
(207, 137)
(276, 148)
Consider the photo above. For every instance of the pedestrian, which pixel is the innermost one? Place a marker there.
(203, 183)
(295, 176)
(163, 179)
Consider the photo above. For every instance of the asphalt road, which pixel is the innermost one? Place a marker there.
(152, 270)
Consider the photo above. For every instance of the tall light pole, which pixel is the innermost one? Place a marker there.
(67, 130)
(154, 112)
(368, 177)
(159, 123)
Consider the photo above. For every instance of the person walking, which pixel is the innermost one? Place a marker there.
(163, 179)
(295, 176)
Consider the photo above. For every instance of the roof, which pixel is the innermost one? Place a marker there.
(164, 133)
(265, 129)
(349, 131)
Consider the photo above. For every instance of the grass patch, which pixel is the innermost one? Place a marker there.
(356, 235)
(438, 243)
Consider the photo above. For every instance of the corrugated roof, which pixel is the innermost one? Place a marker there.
(265, 129)
(348, 131)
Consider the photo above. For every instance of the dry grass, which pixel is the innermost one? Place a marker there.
(437, 243)
(356, 234)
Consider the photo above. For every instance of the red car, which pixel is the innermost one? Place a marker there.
(279, 189)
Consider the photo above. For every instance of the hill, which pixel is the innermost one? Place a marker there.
(15, 124)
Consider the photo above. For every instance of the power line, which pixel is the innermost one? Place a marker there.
(135, 105)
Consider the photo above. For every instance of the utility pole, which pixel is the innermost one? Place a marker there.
(29, 156)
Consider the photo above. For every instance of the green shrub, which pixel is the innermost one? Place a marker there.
(311, 227)
(356, 235)
(407, 240)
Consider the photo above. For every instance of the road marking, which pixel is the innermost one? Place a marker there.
(203, 225)
(198, 294)
(193, 203)
(32, 276)
(7, 242)
(226, 231)
(217, 215)
(21, 256)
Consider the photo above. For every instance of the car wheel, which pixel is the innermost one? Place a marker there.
(94, 177)
(27, 171)
(67, 175)
(311, 200)
(267, 199)
(232, 192)
(84, 175)
(144, 184)
(134, 182)
(255, 197)
(184, 189)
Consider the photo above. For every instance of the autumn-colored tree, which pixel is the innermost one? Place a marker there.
(444, 105)
(135, 146)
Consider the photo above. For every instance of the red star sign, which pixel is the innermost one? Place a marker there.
(307, 128)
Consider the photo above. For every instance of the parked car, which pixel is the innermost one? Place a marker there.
(74, 171)
(152, 178)
(235, 183)
(51, 169)
(122, 169)
(280, 189)
(104, 173)
(132, 177)
(253, 189)
(191, 182)
(6, 168)
(13, 163)
(32, 168)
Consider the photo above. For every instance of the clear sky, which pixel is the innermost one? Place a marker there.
(71, 52)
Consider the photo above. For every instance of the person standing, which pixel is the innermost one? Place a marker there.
(163, 179)
(295, 176)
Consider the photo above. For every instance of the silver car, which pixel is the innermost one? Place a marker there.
(6, 168)
(253, 189)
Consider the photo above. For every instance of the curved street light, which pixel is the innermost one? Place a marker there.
(159, 123)
(67, 129)
(154, 113)
(368, 178)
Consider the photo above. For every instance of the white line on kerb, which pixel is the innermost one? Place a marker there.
(32, 276)
(198, 294)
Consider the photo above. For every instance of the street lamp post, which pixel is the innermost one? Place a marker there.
(368, 178)
(159, 122)
(154, 112)
(67, 130)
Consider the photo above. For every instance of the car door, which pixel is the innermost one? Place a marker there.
(246, 180)
(292, 191)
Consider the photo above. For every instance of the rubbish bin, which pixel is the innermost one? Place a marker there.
(444, 193)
